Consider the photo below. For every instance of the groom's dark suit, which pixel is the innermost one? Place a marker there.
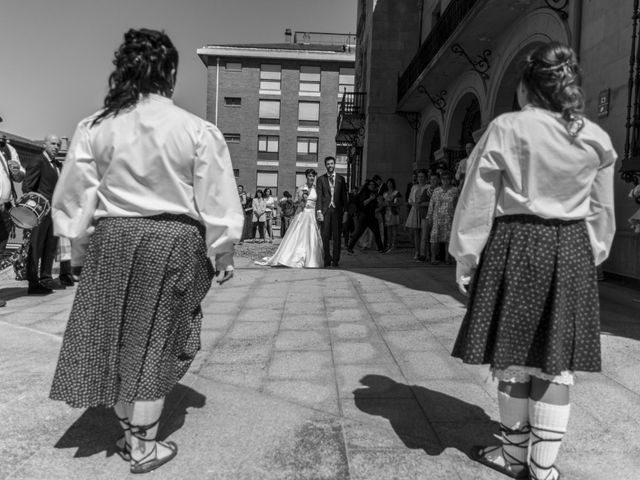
(332, 208)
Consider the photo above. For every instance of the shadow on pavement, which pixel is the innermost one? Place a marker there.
(431, 420)
(12, 293)
(97, 429)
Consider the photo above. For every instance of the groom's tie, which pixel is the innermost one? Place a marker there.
(332, 187)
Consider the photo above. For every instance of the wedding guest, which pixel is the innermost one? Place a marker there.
(368, 202)
(442, 206)
(534, 219)
(423, 204)
(150, 188)
(413, 222)
(392, 200)
(271, 211)
(42, 177)
(259, 208)
(287, 211)
(242, 195)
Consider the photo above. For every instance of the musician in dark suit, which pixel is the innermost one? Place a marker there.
(42, 175)
(331, 210)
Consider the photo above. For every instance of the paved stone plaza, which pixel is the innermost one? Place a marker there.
(316, 374)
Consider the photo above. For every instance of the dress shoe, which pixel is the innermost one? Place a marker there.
(350, 250)
(3, 303)
(335, 264)
(66, 279)
(52, 284)
(38, 289)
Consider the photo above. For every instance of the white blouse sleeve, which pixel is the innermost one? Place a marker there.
(216, 195)
(475, 211)
(75, 197)
(601, 222)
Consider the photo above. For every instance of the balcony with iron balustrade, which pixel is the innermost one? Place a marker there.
(462, 40)
(351, 118)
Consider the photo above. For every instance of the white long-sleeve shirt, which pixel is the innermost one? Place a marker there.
(527, 163)
(154, 158)
(5, 174)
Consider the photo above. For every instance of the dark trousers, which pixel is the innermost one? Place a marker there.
(257, 226)
(42, 251)
(331, 232)
(371, 222)
(284, 225)
(5, 227)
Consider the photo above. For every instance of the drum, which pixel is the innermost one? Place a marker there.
(29, 210)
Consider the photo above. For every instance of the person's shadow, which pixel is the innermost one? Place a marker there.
(98, 429)
(426, 419)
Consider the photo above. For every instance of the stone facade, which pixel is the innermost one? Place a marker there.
(455, 100)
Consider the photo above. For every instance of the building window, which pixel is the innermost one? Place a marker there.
(309, 114)
(270, 76)
(269, 112)
(233, 66)
(342, 154)
(301, 179)
(267, 180)
(232, 101)
(309, 79)
(346, 80)
(268, 147)
(307, 149)
(232, 137)
(236, 172)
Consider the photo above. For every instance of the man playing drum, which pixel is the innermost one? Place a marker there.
(10, 171)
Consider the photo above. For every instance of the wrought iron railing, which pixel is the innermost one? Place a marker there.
(441, 32)
(353, 103)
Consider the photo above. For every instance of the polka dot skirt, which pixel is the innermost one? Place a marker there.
(135, 322)
(534, 299)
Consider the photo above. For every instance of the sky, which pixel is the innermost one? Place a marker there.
(55, 55)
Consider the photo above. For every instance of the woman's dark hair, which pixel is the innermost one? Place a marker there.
(393, 182)
(264, 193)
(258, 192)
(446, 174)
(310, 171)
(421, 170)
(551, 75)
(145, 63)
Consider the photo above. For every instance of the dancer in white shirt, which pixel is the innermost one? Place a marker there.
(534, 218)
(155, 185)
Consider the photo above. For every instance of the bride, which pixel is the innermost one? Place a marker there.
(301, 246)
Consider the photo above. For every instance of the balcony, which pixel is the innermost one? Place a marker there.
(470, 26)
(351, 113)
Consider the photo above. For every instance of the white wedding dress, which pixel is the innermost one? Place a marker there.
(301, 246)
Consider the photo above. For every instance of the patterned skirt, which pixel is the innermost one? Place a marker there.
(135, 322)
(534, 299)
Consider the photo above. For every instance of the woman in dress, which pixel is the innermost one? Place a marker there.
(392, 200)
(423, 203)
(301, 246)
(534, 219)
(442, 206)
(259, 207)
(413, 222)
(155, 186)
(272, 208)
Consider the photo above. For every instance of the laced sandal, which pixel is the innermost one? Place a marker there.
(554, 472)
(482, 454)
(150, 461)
(122, 447)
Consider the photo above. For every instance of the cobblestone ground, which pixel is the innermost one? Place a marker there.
(315, 374)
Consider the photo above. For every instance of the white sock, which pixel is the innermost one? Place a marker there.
(548, 426)
(514, 419)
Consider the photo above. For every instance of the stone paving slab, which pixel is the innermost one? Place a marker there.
(315, 374)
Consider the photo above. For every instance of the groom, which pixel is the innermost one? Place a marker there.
(330, 210)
